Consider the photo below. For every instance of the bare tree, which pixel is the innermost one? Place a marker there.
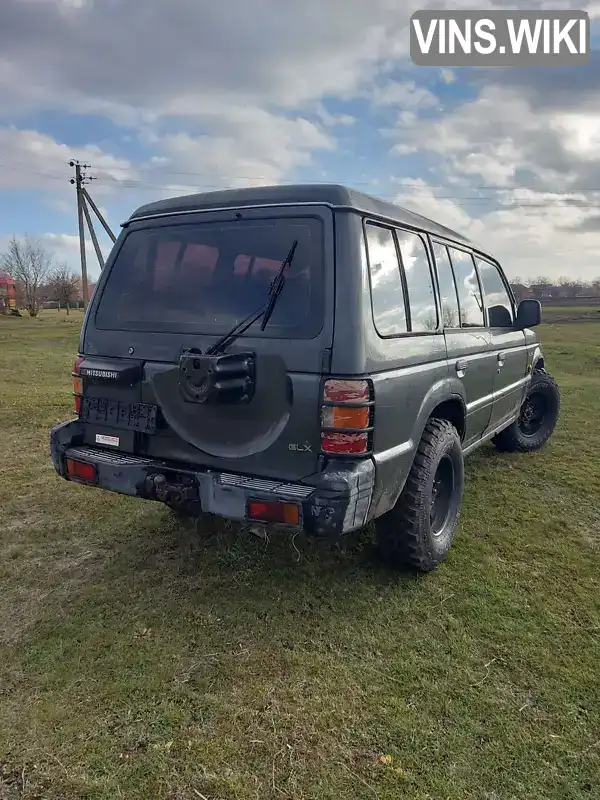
(63, 286)
(28, 263)
(449, 317)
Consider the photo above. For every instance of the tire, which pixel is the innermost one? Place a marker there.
(409, 534)
(537, 420)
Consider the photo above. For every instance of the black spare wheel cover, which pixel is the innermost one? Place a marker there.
(228, 431)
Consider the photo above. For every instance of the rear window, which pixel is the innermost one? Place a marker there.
(207, 277)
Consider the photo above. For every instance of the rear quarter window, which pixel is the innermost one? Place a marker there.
(387, 290)
(401, 280)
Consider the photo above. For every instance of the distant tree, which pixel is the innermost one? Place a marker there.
(520, 289)
(430, 322)
(19, 295)
(569, 288)
(449, 317)
(29, 264)
(63, 286)
(541, 287)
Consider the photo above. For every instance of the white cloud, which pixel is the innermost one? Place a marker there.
(501, 134)
(30, 159)
(531, 234)
(237, 94)
(579, 132)
(405, 95)
(243, 147)
(419, 196)
(187, 55)
(521, 164)
(64, 249)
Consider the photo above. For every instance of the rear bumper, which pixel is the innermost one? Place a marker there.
(332, 502)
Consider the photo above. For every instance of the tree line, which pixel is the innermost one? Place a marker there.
(39, 280)
(543, 288)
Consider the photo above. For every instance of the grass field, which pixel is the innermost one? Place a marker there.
(141, 660)
(568, 314)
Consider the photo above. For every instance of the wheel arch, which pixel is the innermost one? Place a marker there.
(537, 359)
(441, 403)
(454, 411)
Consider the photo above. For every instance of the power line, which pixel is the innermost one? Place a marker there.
(223, 178)
(457, 199)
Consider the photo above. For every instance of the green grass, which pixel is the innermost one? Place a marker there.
(142, 660)
(569, 314)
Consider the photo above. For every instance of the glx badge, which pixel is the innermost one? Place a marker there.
(300, 448)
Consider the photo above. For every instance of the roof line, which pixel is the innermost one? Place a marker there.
(334, 206)
(235, 208)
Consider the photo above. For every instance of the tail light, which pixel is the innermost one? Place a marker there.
(77, 384)
(347, 417)
(274, 511)
(81, 471)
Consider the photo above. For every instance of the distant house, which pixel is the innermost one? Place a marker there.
(7, 292)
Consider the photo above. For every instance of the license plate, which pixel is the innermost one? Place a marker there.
(130, 416)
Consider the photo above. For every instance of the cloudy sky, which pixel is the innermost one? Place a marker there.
(165, 98)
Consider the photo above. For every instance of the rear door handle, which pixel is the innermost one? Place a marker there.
(501, 360)
(461, 367)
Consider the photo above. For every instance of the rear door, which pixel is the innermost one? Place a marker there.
(172, 289)
(509, 347)
(468, 342)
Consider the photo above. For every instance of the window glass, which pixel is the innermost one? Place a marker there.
(419, 283)
(497, 300)
(387, 292)
(207, 277)
(467, 285)
(450, 311)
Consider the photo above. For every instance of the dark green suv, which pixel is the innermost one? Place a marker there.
(305, 356)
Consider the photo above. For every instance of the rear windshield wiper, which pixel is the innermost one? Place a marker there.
(265, 311)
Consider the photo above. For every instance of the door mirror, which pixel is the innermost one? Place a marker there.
(529, 314)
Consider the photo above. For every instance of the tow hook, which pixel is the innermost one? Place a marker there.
(175, 492)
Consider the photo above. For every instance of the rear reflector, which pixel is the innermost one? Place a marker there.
(274, 511)
(81, 470)
(344, 443)
(345, 417)
(338, 391)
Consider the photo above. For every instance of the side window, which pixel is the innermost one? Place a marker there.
(419, 282)
(497, 299)
(450, 309)
(387, 292)
(467, 286)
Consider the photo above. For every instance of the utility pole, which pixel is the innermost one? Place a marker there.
(83, 198)
(96, 211)
(88, 219)
(78, 181)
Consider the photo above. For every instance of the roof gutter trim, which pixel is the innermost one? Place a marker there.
(455, 236)
(214, 209)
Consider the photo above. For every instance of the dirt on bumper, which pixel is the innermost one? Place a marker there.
(332, 502)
